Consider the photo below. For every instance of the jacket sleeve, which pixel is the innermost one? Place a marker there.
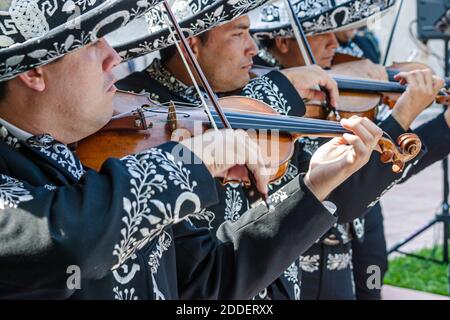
(365, 187)
(277, 91)
(98, 223)
(435, 135)
(251, 252)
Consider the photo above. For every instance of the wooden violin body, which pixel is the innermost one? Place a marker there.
(142, 124)
(363, 98)
(405, 66)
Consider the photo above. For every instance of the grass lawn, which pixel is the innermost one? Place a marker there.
(413, 273)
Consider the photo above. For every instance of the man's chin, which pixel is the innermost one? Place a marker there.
(243, 81)
(326, 63)
(104, 117)
(237, 84)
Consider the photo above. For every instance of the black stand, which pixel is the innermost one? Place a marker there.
(442, 216)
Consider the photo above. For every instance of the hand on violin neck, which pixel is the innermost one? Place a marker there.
(307, 79)
(422, 89)
(228, 154)
(338, 159)
(361, 69)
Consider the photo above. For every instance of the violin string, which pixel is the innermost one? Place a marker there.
(290, 124)
(369, 85)
(181, 103)
(279, 118)
(287, 129)
(278, 124)
(268, 117)
(285, 119)
(287, 123)
(296, 129)
(296, 126)
(385, 134)
(251, 112)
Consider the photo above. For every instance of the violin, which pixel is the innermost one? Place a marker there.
(397, 67)
(361, 97)
(391, 70)
(141, 123)
(357, 96)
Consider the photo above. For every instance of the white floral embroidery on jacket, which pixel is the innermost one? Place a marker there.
(309, 263)
(145, 183)
(233, 202)
(263, 87)
(291, 274)
(12, 192)
(339, 261)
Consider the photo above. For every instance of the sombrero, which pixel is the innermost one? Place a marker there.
(194, 17)
(316, 17)
(36, 32)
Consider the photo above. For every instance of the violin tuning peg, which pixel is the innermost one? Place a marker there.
(398, 166)
(387, 156)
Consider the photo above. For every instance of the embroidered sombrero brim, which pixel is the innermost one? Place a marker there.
(40, 34)
(194, 17)
(320, 17)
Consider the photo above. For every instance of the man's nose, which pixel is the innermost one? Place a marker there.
(112, 58)
(252, 47)
(333, 42)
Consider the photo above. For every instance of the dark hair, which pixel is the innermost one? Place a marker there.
(169, 52)
(3, 84)
(267, 43)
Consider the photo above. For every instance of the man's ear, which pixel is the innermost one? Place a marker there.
(282, 44)
(195, 43)
(33, 79)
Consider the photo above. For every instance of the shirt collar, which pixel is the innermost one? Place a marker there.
(157, 71)
(20, 134)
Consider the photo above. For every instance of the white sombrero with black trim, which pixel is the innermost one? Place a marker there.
(194, 17)
(36, 32)
(316, 17)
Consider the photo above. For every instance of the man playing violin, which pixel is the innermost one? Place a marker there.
(127, 224)
(283, 51)
(224, 53)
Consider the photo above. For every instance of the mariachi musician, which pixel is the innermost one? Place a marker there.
(126, 224)
(328, 264)
(224, 51)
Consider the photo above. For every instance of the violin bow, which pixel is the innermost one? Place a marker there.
(252, 195)
(190, 55)
(300, 36)
(303, 44)
(391, 37)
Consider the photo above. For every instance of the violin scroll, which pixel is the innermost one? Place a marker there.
(409, 146)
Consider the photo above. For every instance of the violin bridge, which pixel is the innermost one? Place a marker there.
(172, 117)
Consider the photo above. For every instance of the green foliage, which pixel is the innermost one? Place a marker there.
(413, 273)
